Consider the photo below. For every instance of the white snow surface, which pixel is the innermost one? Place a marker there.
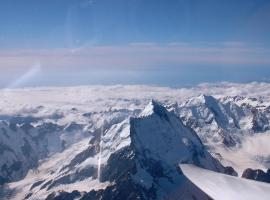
(223, 187)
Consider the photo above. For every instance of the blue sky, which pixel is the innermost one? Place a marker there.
(163, 42)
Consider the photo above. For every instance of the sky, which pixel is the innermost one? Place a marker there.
(157, 42)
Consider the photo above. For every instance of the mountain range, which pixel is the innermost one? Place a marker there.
(72, 143)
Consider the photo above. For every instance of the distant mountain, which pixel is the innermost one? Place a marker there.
(224, 125)
(224, 121)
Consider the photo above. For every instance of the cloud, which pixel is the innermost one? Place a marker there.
(257, 145)
(142, 44)
(234, 44)
(137, 55)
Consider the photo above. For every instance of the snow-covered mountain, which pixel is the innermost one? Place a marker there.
(22, 146)
(225, 123)
(109, 141)
(26, 140)
(136, 158)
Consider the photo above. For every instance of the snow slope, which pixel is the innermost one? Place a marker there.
(224, 187)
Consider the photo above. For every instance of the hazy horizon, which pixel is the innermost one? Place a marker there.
(175, 43)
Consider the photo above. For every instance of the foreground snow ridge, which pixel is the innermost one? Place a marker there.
(224, 187)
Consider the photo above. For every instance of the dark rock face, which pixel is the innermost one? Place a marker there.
(214, 106)
(73, 126)
(230, 171)
(5, 192)
(228, 141)
(125, 189)
(120, 164)
(260, 122)
(64, 195)
(257, 175)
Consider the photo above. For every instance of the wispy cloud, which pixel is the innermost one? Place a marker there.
(28, 75)
(137, 55)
